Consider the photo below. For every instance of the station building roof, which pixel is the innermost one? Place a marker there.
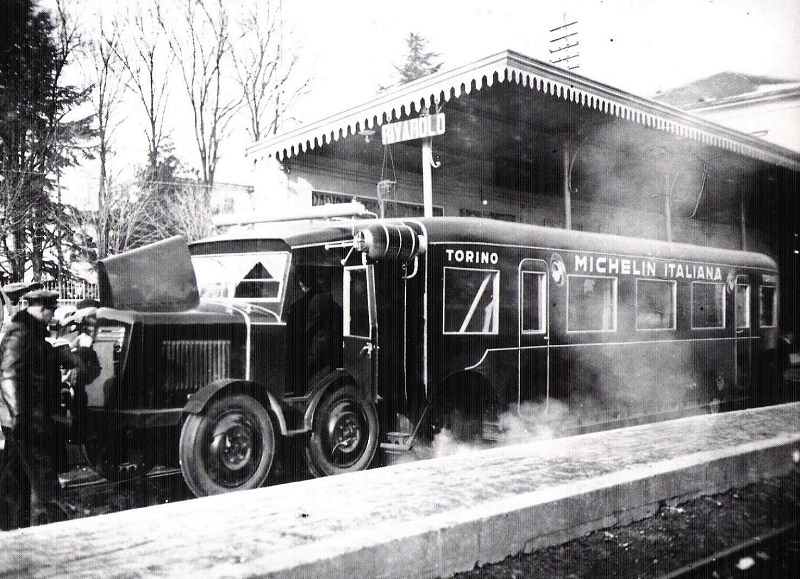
(550, 88)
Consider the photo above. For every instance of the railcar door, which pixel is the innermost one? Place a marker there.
(744, 351)
(533, 332)
(361, 326)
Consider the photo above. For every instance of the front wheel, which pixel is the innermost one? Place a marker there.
(229, 447)
(344, 436)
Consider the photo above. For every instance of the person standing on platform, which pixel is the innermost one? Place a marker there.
(29, 397)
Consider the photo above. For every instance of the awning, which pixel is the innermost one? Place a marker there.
(508, 66)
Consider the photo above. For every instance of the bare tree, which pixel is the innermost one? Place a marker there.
(201, 43)
(107, 75)
(145, 54)
(266, 70)
(187, 212)
(132, 211)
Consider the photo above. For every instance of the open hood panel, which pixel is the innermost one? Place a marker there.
(155, 278)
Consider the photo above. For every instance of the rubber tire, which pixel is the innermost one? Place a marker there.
(206, 474)
(321, 456)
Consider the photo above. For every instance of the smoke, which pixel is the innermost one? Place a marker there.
(527, 423)
(600, 388)
(622, 175)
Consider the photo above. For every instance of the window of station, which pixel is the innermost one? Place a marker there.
(742, 305)
(591, 304)
(768, 304)
(534, 300)
(655, 304)
(471, 301)
(708, 305)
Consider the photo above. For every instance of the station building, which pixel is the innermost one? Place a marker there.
(511, 138)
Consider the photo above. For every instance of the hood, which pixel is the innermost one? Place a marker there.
(155, 278)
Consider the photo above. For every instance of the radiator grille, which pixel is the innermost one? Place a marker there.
(188, 365)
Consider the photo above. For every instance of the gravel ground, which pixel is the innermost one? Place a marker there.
(679, 534)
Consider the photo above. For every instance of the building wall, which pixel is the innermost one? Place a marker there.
(457, 196)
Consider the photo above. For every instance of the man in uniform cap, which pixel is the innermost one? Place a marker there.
(29, 396)
(9, 296)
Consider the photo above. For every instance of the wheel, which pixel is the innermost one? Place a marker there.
(229, 447)
(462, 414)
(344, 435)
(118, 455)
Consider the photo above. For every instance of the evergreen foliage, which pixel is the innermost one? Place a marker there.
(419, 62)
(36, 141)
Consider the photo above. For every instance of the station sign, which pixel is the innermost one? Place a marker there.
(410, 129)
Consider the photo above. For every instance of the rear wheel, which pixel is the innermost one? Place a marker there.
(344, 436)
(229, 447)
(467, 411)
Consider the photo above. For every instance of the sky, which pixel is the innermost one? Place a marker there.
(640, 46)
(347, 47)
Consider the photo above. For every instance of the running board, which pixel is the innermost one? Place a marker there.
(398, 442)
(404, 441)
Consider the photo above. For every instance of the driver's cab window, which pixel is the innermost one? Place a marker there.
(258, 283)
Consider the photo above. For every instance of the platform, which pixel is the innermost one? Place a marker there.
(424, 519)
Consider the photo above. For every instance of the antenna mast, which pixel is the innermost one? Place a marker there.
(563, 45)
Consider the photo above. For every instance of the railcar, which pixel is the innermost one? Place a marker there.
(444, 324)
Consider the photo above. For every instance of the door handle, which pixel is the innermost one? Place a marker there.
(366, 350)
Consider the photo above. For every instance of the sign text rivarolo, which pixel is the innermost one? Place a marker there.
(419, 128)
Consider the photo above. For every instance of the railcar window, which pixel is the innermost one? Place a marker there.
(768, 305)
(471, 301)
(356, 293)
(708, 305)
(534, 284)
(591, 304)
(655, 304)
(742, 305)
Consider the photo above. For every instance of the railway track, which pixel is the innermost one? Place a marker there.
(773, 554)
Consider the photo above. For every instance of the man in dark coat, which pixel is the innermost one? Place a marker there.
(315, 328)
(29, 397)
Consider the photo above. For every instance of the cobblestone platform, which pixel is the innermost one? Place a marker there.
(423, 519)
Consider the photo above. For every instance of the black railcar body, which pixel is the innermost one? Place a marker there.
(462, 325)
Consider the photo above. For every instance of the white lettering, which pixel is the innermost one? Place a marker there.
(581, 263)
(613, 265)
(416, 128)
(626, 267)
(470, 256)
(601, 264)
